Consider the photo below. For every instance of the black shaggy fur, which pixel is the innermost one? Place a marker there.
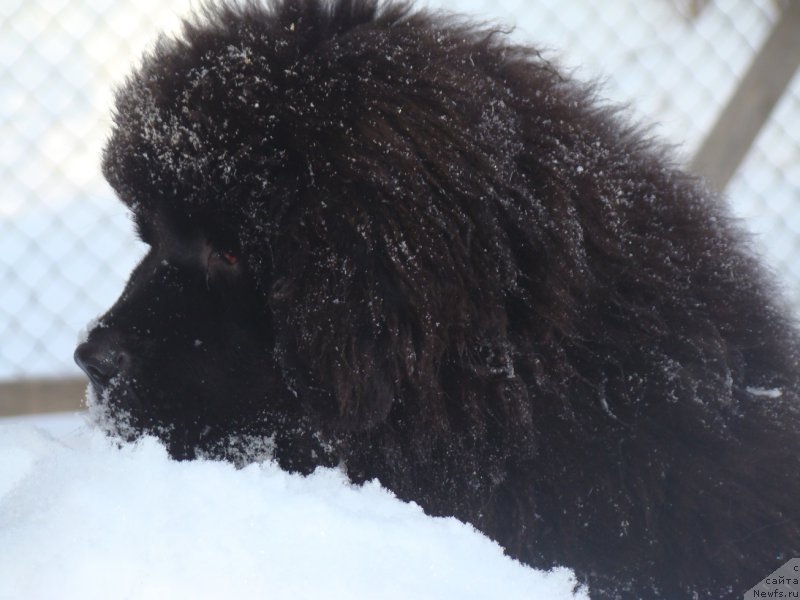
(390, 239)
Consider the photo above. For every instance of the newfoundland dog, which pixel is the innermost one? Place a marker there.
(392, 240)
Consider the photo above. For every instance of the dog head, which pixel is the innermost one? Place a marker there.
(326, 191)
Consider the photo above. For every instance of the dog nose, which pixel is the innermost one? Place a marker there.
(100, 361)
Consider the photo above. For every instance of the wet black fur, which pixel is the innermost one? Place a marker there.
(460, 274)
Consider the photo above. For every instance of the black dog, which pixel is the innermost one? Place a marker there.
(396, 241)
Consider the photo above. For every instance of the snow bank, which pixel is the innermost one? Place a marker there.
(80, 518)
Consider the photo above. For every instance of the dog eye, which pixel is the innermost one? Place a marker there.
(222, 266)
(225, 256)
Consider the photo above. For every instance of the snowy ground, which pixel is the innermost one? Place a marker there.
(82, 519)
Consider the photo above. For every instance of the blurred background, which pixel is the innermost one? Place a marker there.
(716, 78)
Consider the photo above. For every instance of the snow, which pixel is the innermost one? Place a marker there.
(82, 518)
(765, 393)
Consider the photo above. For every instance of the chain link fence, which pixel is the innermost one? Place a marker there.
(66, 246)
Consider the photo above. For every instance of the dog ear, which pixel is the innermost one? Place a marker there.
(344, 327)
(370, 290)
